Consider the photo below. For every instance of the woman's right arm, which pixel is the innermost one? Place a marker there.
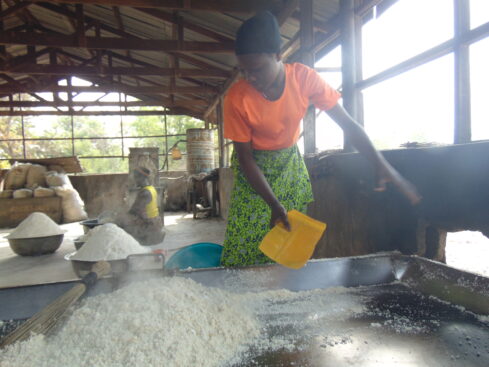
(258, 182)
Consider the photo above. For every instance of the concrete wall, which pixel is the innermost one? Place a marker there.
(453, 181)
(175, 183)
(101, 192)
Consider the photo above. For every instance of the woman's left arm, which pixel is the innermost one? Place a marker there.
(385, 172)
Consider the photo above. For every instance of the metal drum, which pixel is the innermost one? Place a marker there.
(200, 150)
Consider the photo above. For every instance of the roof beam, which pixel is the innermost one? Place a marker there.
(158, 14)
(106, 89)
(169, 18)
(234, 6)
(62, 103)
(104, 43)
(14, 9)
(198, 83)
(173, 111)
(40, 69)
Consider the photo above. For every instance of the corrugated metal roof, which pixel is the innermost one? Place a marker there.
(60, 18)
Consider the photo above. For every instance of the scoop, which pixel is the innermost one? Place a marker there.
(293, 249)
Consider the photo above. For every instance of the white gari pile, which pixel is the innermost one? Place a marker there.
(171, 322)
(108, 242)
(36, 225)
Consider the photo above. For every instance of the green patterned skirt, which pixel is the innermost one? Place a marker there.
(249, 215)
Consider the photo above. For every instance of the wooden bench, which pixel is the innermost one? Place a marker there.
(14, 211)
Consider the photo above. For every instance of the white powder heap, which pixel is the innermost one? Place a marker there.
(162, 322)
(108, 242)
(36, 225)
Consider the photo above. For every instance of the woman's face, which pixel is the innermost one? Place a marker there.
(260, 70)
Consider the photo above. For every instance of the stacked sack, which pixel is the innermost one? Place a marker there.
(25, 181)
(34, 180)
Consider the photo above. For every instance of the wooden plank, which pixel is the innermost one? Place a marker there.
(14, 211)
(235, 6)
(40, 69)
(107, 43)
(69, 164)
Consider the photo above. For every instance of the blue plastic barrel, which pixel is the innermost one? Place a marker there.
(198, 255)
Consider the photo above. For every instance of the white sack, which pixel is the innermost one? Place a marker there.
(16, 177)
(43, 192)
(36, 176)
(71, 204)
(22, 193)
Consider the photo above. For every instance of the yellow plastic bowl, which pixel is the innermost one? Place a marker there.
(293, 249)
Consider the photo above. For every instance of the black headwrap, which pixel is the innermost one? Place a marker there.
(259, 34)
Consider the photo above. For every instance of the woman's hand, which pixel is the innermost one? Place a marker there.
(386, 173)
(279, 214)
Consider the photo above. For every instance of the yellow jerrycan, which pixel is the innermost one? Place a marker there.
(293, 249)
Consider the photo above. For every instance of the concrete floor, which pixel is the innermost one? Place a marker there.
(465, 250)
(181, 230)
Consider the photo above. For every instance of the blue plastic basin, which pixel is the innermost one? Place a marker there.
(198, 255)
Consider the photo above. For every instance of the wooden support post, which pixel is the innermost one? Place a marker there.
(53, 60)
(3, 53)
(31, 49)
(220, 129)
(80, 26)
(349, 61)
(307, 43)
(462, 133)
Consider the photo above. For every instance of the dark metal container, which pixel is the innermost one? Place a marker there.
(36, 246)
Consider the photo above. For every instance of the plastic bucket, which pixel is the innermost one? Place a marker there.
(198, 255)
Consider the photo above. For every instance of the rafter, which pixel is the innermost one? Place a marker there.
(40, 69)
(189, 59)
(235, 6)
(103, 43)
(62, 103)
(173, 111)
(158, 14)
(14, 9)
(107, 89)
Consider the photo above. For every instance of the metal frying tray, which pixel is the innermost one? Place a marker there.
(413, 312)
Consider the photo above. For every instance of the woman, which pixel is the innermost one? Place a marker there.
(262, 115)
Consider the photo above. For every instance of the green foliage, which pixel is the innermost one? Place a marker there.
(11, 128)
(89, 133)
(155, 125)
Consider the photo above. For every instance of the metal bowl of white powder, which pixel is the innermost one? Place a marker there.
(36, 246)
(83, 267)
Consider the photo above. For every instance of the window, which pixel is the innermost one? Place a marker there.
(479, 80)
(328, 134)
(403, 31)
(413, 106)
(101, 142)
(479, 12)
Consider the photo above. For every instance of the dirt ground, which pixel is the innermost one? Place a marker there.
(468, 251)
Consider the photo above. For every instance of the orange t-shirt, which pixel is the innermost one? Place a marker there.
(272, 125)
